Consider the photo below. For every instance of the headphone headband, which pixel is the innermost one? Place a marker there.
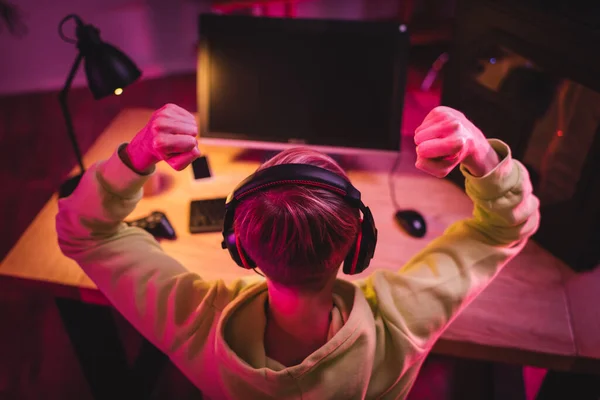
(299, 174)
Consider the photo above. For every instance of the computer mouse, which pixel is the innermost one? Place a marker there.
(412, 222)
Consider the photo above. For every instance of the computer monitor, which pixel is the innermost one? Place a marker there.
(276, 82)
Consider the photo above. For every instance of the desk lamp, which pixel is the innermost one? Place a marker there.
(108, 71)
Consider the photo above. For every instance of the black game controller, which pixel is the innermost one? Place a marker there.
(156, 224)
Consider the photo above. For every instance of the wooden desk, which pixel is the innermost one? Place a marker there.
(523, 317)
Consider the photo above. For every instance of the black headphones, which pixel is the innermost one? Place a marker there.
(361, 252)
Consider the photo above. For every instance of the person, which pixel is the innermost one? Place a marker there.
(300, 332)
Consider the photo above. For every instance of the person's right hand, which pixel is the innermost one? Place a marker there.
(169, 135)
(447, 138)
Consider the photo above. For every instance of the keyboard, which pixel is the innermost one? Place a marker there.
(207, 215)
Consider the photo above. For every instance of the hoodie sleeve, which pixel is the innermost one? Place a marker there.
(421, 299)
(162, 299)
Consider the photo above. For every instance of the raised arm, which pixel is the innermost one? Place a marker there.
(427, 293)
(152, 290)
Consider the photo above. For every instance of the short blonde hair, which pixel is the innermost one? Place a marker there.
(298, 235)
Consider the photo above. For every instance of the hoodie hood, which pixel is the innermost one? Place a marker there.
(248, 373)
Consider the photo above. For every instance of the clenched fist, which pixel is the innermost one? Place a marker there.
(447, 138)
(169, 135)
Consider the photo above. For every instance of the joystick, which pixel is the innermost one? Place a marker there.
(157, 224)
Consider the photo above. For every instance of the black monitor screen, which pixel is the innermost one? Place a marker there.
(319, 82)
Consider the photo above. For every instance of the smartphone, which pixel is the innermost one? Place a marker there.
(201, 168)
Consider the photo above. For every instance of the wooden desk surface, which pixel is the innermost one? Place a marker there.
(522, 317)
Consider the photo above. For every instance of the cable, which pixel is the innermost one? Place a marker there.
(254, 269)
(60, 28)
(391, 181)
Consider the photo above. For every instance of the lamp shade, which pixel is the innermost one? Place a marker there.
(106, 67)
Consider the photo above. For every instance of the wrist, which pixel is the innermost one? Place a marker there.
(482, 161)
(137, 160)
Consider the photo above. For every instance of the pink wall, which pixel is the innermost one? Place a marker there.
(41, 59)
(159, 35)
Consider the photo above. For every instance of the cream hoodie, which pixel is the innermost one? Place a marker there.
(382, 327)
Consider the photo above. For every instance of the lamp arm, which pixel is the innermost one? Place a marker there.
(62, 98)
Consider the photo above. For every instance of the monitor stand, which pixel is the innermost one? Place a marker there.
(268, 154)
(263, 155)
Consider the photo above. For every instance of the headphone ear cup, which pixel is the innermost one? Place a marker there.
(231, 245)
(237, 252)
(244, 259)
(353, 264)
(349, 261)
(360, 255)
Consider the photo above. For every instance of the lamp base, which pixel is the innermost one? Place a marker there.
(69, 186)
